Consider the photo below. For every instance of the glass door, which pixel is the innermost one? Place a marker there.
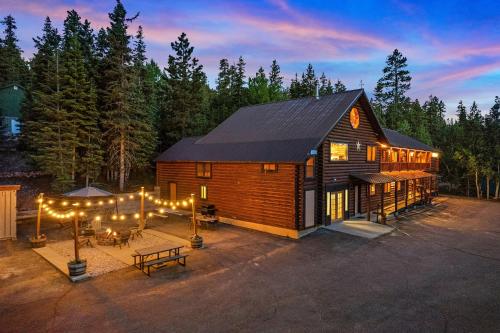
(335, 205)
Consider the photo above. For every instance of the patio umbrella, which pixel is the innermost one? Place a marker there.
(88, 191)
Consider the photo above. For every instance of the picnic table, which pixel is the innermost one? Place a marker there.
(160, 256)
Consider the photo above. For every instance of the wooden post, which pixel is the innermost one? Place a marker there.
(368, 200)
(141, 215)
(396, 197)
(195, 227)
(382, 204)
(406, 194)
(39, 215)
(75, 231)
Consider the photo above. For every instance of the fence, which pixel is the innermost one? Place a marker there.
(8, 211)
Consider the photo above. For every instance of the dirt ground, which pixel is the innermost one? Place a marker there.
(440, 271)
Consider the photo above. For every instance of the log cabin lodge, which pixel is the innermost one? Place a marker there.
(292, 166)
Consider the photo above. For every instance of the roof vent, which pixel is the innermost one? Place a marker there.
(317, 91)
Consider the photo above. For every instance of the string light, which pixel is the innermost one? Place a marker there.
(161, 210)
(136, 215)
(114, 217)
(184, 203)
(64, 203)
(97, 218)
(111, 201)
(131, 196)
(81, 213)
(121, 199)
(101, 203)
(88, 203)
(150, 214)
(51, 202)
(122, 217)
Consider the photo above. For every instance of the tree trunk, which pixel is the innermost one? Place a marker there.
(497, 187)
(122, 160)
(478, 186)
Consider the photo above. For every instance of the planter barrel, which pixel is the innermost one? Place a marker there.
(196, 242)
(77, 268)
(38, 242)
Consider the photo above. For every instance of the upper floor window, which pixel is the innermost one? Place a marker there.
(412, 156)
(310, 167)
(403, 155)
(371, 153)
(394, 155)
(399, 185)
(387, 187)
(372, 189)
(203, 170)
(338, 151)
(269, 167)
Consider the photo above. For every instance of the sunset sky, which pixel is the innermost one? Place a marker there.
(453, 47)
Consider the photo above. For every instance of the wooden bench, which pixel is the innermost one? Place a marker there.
(162, 261)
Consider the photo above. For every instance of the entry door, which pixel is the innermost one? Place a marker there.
(173, 191)
(356, 200)
(337, 206)
(309, 218)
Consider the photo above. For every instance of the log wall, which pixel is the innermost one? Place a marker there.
(239, 190)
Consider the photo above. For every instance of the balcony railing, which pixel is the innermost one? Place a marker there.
(403, 166)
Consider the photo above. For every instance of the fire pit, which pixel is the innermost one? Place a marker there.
(106, 238)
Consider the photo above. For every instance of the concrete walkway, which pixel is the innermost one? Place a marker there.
(363, 229)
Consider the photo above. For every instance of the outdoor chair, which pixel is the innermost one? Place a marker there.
(83, 240)
(123, 239)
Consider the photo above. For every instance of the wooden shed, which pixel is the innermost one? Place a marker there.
(8, 211)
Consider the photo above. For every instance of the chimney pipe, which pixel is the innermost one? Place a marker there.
(317, 91)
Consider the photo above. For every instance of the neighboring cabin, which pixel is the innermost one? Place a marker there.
(288, 167)
(11, 100)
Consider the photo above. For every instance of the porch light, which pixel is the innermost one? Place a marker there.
(435, 155)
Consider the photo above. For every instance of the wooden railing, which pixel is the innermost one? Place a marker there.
(403, 166)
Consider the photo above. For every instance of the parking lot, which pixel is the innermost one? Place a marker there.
(439, 271)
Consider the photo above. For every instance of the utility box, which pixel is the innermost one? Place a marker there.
(8, 211)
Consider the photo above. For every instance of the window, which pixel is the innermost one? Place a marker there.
(269, 167)
(203, 192)
(203, 170)
(412, 156)
(393, 155)
(387, 187)
(310, 167)
(372, 189)
(403, 156)
(338, 151)
(399, 186)
(371, 153)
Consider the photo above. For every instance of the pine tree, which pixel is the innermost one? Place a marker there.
(309, 82)
(295, 90)
(114, 102)
(392, 86)
(275, 82)
(185, 110)
(79, 103)
(325, 87)
(238, 91)
(13, 68)
(435, 110)
(143, 138)
(222, 103)
(258, 88)
(339, 87)
(46, 126)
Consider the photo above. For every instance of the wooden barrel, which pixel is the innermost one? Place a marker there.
(77, 268)
(196, 242)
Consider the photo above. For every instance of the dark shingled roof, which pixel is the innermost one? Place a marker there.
(275, 132)
(397, 139)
